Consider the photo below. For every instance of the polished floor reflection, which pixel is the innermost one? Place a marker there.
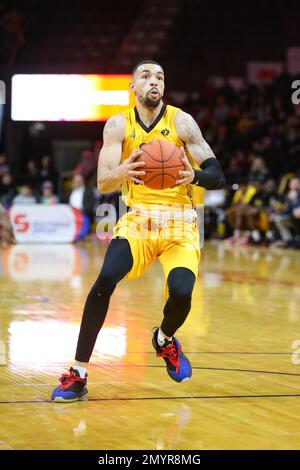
(242, 336)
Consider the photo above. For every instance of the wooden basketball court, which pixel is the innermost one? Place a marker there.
(241, 338)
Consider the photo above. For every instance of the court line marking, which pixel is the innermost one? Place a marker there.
(186, 397)
(235, 370)
(153, 366)
(189, 352)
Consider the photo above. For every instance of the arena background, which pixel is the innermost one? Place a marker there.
(236, 68)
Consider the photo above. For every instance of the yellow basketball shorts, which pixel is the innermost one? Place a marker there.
(175, 243)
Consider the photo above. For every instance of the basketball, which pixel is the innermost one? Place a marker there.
(162, 164)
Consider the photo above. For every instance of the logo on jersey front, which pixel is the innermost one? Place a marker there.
(132, 135)
(165, 131)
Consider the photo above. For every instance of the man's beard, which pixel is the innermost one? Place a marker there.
(151, 102)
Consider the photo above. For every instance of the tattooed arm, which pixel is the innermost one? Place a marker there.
(211, 175)
(111, 174)
(188, 131)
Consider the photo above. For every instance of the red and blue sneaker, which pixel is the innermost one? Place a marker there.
(178, 366)
(72, 387)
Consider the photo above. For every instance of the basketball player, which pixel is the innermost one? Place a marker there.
(130, 253)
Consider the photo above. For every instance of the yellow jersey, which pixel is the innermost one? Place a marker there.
(163, 128)
(244, 198)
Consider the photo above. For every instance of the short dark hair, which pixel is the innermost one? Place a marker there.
(147, 61)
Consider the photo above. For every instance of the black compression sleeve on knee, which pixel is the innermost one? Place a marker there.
(180, 283)
(210, 176)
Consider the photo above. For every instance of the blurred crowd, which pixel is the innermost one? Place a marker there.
(41, 183)
(255, 134)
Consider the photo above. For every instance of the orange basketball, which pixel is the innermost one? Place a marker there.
(162, 164)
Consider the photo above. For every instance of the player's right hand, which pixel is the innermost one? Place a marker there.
(129, 168)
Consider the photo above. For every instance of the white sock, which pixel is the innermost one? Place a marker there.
(82, 370)
(161, 338)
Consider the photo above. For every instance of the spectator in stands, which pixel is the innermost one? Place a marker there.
(245, 122)
(4, 166)
(208, 91)
(227, 91)
(48, 171)
(252, 215)
(81, 197)
(87, 167)
(221, 109)
(286, 221)
(7, 190)
(260, 208)
(24, 196)
(296, 221)
(258, 170)
(239, 212)
(293, 142)
(32, 175)
(237, 166)
(48, 197)
(223, 140)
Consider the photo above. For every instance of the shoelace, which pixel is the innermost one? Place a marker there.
(69, 378)
(172, 354)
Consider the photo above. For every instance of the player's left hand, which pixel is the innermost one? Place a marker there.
(188, 173)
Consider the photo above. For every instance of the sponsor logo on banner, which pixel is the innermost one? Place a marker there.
(20, 223)
(58, 223)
